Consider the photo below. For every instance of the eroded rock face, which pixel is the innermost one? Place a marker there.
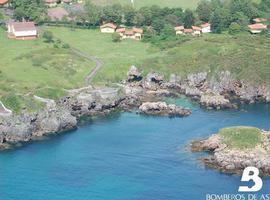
(197, 80)
(153, 81)
(234, 160)
(163, 109)
(134, 74)
(61, 117)
(215, 101)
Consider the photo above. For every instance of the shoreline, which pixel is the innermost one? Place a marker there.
(143, 93)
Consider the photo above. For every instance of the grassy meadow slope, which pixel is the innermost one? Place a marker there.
(245, 55)
(34, 67)
(161, 3)
(116, 57)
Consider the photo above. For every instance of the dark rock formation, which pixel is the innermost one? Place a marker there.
(134, 74)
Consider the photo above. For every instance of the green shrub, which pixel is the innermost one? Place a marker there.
(116, 37)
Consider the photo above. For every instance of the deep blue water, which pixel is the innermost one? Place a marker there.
(125, 157)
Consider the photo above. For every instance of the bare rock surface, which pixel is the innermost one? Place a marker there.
(233, 160)
(163, 109)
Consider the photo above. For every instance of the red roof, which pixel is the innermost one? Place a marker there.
(188, 30)
(138, 30)
(205, 25)
(120, 30)
(23, 26)
(109, 25)
(258, 26)
(196, 28)
(259, 20)
(2, 2)
(179, 28)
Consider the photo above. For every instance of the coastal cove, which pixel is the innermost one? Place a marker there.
(126, 156)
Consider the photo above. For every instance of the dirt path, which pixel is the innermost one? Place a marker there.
(94, 71)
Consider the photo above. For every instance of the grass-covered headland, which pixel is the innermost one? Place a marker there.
(241, 137)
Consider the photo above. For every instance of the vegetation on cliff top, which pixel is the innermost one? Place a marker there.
(241, 137)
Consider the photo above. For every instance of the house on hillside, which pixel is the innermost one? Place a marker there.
(56, 14)
(259, 20)
(108, 28)
(206, 28)
(134, 33)
(51, 3)
(4, 2)
(197, 31)
(22, 30)
(179, 30)
(257, 28)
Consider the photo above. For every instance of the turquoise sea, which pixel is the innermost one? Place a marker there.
(125, 156)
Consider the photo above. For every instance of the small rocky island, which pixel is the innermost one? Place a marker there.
(233, 149)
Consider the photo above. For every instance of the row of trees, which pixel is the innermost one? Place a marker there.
(220, 13)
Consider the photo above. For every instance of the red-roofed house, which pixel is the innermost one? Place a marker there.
(257, 28)
(108, 28)
(134, 33)
(51, 3)
(260, 20)
(197, 31)
(3, 2)
(22, 30)
(179, 30)
(206, 28)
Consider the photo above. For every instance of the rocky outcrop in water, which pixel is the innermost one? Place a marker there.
(215, 101)
(231, 160)
(163, 109)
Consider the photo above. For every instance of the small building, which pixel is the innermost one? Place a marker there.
(57, 14)
(22, 30)
(179, 30)
(134, 33)
(3, 2)
(259, 20)
(188, 31)
(197, 31)
(108, 28)
(257, 28)
(206, 28)
(51, 3)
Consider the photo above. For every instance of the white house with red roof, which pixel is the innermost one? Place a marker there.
(179, 30)
(3, 2)
(134, 33)
(206, 28)
(108, 28)
(22, 30)
(257, 28)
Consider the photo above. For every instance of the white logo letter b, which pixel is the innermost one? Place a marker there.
(246, 177)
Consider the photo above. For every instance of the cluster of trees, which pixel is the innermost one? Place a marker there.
(233, 15)
(34, 10)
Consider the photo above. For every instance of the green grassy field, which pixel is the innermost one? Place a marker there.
(241, 137)
(161, 3)
(116, 57)
(245, 55)
(34, 67)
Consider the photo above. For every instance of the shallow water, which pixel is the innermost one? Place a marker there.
(125, 157)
